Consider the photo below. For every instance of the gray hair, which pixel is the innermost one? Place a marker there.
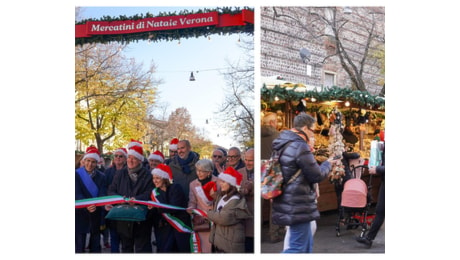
(205, 165)
(236, 149)
(303, 119)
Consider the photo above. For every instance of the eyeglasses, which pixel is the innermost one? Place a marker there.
(119, 156)
(233, 156)
(217, 156)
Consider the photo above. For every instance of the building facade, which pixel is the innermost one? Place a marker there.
(324, 46)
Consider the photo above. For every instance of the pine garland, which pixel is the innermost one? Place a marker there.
(355, 97)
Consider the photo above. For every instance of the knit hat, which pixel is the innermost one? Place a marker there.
(231, 176)
(163, 171)
(137, 152)
(173, 144)
(157, 155)
(134, 143)
(122, 150)
(92, 152)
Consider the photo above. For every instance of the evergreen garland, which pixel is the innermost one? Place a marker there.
(167, 35)
(355, 97)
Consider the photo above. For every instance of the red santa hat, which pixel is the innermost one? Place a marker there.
(157, 155)
(173, 144)
(134, 143)
(92, 152)
(137, 152)
(163, 171)
(231, 176)
(207, 189)
(122, 150)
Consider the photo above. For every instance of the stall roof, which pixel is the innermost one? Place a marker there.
(271, 81)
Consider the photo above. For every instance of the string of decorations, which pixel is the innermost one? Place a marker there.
(168, 35)
(357, 98)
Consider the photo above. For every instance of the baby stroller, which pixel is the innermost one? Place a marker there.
(355, 201)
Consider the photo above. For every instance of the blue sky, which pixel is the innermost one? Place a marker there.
(175, 62)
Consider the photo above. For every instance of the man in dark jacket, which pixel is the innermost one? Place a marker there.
(133, 182)
(89, 183)
(118, 165)
(296, 207)
(183, 165)
(379, 208)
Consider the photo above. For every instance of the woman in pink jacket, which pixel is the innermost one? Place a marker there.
(200, 198)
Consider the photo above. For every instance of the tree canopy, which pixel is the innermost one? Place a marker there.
(112, 96)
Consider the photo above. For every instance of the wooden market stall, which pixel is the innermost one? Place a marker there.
(363, 117)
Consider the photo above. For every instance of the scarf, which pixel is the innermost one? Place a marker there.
(240, 165)
(185, 164)
(224, 200)
(206, 180)
(133, 173)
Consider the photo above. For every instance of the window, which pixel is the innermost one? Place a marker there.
(329, 79)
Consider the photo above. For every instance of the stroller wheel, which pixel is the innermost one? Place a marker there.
(352, 224)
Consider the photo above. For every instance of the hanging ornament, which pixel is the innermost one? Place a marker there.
(336, 146)
(300, 107)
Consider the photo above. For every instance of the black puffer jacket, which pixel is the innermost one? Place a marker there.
(297, 203)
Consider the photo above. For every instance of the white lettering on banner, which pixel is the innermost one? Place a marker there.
(122, 27)
(196, 20)
(171, 22)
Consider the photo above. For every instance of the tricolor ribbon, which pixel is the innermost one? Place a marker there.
(99, 201)
(117, 199)
(180, 226)
(173, 221)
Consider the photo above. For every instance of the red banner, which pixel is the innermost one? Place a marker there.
(163, 23)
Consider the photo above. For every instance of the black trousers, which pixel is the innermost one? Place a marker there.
(380, 213)
(135, 236)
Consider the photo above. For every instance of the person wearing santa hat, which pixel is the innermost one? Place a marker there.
(133, 182)
(134, 142)
(200, 198)
(172, 150)
(228, 214)
(155, 158)
(120, 156)
(169, 239)
(89, 183)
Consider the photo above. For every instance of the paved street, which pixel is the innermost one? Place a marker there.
(326, 241)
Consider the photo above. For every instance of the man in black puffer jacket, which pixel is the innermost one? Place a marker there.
(296, 207)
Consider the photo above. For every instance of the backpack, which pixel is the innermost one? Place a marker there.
(272, 177)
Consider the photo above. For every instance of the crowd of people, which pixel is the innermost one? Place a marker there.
(222, 187)
(296, 209)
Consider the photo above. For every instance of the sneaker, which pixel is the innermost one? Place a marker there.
(364, 240)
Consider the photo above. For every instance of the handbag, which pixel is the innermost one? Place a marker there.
(201, 224)
(272, 177)
(127, 212)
